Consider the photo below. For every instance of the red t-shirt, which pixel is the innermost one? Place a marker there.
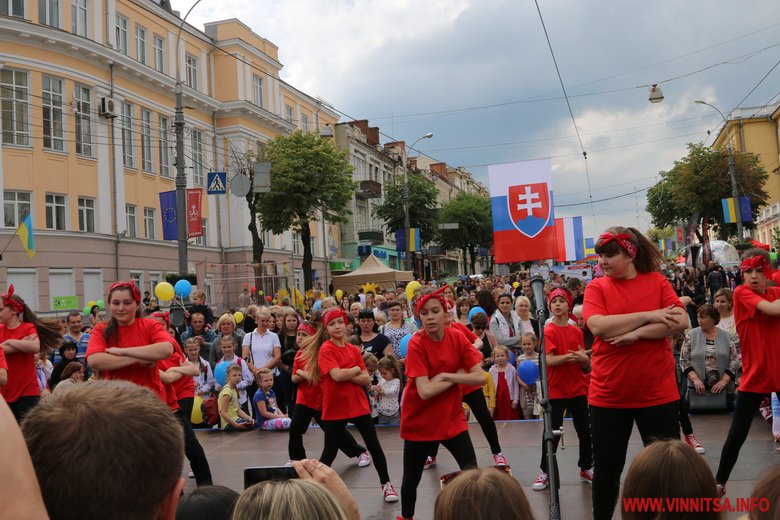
(143, 331)
(346, 399)
(185, 386)
(440, 417)
(567, 380)
(758, 336)
(22, 379)
(639, 375)
(308, 394)
(471, 337)
(3, 362)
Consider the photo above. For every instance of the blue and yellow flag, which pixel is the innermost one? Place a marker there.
(414, 239)
(25, 232)
(590, 246)
(731, 206)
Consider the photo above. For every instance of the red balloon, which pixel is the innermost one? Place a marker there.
(268, 299)
(776, 277)
(246, 285)
(253, 288)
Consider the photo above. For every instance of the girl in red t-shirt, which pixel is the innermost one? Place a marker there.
(631, 312)
(439, 360)
(22, 334)
(757, 316)
(308, 404)
(568, 388)
(343, 378)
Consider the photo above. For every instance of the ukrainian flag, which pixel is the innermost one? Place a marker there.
(729, 210)
(590, 246)
(25, 232)
(414, 239)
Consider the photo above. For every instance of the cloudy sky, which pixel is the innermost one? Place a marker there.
(480, 76)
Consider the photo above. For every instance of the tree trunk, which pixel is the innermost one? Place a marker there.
(308, 279)
(257, 247)
(472, 258)
(465, 252)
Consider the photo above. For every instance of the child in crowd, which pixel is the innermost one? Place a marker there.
(389, 390)
(268, 415)
(504, 377)
(228, 346)
(198, 299)
(529, 395)
(205, 384)
(567, 387)
(489, 389)
(232, 417)
(372, 390)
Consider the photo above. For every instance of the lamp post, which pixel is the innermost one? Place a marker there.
(732, 170)
(408, 260)
(181, 176)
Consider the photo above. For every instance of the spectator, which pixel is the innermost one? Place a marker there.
(482, 494)
(505, 323)
(244, 299)
(199, 330)
(67, 351)
(74, 334)
(266, 410)
(207, 503)
(74, 373)
(226, 326)
(205, 384)
(767, 489)
(397, 328)
(198, 299)
(232, 417)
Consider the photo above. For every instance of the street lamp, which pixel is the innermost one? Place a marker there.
(732, 170)
(408, 260)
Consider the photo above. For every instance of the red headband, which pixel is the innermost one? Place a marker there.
(435, 294)
(164, 316)
(332, 314)
(563, 294)
(308, 329)
(756, 261)
(622, 239)
(16, 305)
(134, 291)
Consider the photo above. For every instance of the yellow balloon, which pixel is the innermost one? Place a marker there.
(238, 316)
(339, 294)
(164, 291)
(91, 303)
(515, 285)
(411, 287)
(197, 411)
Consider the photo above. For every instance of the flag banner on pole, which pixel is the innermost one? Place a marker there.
(729, 210)
(194, 220)
(25, 232)
(680, 234)
(745, 210)
(414, 239)
(590, 247)
(400, 240)
(731, 206)
(168, 215)
(571, 243)
(523, 214)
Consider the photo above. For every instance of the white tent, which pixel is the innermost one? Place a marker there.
(372, 270)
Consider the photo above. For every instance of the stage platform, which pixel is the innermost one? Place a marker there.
(228, 454)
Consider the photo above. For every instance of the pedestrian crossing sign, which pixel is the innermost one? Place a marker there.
(217, 183)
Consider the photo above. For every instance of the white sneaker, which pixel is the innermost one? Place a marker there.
(389, 492)
(364, 459)
(541, 482)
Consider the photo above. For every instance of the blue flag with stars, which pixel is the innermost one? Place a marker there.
(168, 215)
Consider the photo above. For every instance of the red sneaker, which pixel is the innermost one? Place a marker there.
(541, 482)
(694, 443)
(389, 492)
(500, 460)
(586, 475)
(429, 463)
(721, 490)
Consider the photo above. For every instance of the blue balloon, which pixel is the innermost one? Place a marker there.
(183, 288)
(404, 345)
(220, 372)
(528, 372)
(476, 310)
(512, 357)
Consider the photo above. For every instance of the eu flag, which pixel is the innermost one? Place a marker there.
(168, 213)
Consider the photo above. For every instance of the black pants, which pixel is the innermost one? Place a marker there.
(194, 452)
(333, 435)
(283, 389)
(747, 405)
(185, 405)
(301, 418)
(415, 453)
(610, 429)
(21, 406)
(478, 406)
(578, 408)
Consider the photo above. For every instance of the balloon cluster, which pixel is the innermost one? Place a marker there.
(88, 308)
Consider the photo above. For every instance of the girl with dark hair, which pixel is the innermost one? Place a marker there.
(373, 342)
(22, 334)
(74, 373)
(486, 301)
(94, 315)
(632, 311)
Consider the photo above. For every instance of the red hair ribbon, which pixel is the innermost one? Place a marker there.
(14, 303)
(435, 294)
(165, 316)
(563, 294)
(756, 261)
(308, 329)
(332, 314)
(134, 291)
(622, 239)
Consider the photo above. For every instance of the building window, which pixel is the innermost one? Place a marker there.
(140, 44)
(121, 34)
(305, 123)
(162, 143)
(131, 221)
(202, 240)
(12, 8)
(150, 224)
(14, 94)
(78, 14)
(146, 140)
(159, 53)
(137, 278)
(192, 71)
(259, 94)
(289, 110)
(51, 102)
(16, 206)
(48, 12)
(55, 211)
(296, 243)
(126, 124)
(83, 120)
(197, 158)
(86, 214)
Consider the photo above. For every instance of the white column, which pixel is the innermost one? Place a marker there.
(204, 73)
(102, 147)
(97, 19)
(240, 83)
(170, 56)
(111, 23)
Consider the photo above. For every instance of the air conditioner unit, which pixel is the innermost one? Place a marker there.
(108, 107)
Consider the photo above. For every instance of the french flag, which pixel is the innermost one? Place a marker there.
(571, 242)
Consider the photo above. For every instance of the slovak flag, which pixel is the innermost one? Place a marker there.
(523, 212)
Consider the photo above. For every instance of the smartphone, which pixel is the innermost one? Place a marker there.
(261, 474)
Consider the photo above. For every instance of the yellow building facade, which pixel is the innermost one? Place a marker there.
(88, 98)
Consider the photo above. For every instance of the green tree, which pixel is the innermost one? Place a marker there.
(698, 182)
(475, 225)
(310, 178)
(242, 165)
(423, 207)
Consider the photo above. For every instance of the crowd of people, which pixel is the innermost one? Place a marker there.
(422, 358)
